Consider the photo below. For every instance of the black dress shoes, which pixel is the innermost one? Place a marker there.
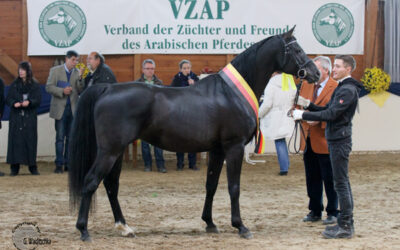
(329, 220)
(311, 217)
(162, 170)
(33, 170)
(58, 170)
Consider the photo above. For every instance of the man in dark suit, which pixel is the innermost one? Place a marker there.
(338, 114)
(316, 155)
(99, 71)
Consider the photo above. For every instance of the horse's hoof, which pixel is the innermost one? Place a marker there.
(246, 235)
(86, 238)
(130, 235)
(213, 230)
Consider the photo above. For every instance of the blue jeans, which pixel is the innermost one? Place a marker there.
(283, 154)
(146, 155)
(63, 126)
(180, 158)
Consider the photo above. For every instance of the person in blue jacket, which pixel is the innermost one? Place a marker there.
(185, 78)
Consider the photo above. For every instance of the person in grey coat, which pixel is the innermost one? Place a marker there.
(64, 86)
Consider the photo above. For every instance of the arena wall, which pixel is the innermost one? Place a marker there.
(371, 127)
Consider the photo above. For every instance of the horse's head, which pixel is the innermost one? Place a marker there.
(295, 61)
(330, 19)
(58, 18)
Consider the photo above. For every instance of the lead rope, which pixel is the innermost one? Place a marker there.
(297, 126)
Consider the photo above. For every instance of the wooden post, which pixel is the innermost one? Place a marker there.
(371, 23)
(137, 67)
(229, 58)
(8, 63)
(24, 27)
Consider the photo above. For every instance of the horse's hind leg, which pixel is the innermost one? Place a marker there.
(234, 158)
(111, 183)
(213, 172)
(101, 167)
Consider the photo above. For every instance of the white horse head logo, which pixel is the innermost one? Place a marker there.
(62, 17)
(333, 19)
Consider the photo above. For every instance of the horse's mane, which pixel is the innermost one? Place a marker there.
(246, 61)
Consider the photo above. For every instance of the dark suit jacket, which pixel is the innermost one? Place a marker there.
(103, 74)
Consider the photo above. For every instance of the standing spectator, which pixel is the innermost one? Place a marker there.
(184, 78)
(317, 164)
(1, 106)
(338, 114)
(64, 86)
(99, 71)
(148, 76)
(275, 124)
(23, 98)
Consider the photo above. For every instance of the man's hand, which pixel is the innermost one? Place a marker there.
(297, 114)
(303, 102)
(25, 103)
(67, 90)
(17, 105)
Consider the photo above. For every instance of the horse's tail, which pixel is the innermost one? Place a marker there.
(82, 143)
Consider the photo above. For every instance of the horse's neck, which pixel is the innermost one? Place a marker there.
(257, 76)
(257, 79)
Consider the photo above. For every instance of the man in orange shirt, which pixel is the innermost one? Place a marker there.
(316, 155)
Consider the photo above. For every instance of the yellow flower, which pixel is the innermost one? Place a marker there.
(82, 65)
(375, 80)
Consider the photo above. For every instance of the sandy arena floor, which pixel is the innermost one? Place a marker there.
(165, 209)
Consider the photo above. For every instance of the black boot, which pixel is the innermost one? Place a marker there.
(1, 173)
(33, 170)
(344, 229)
(58, 170)
(14, 169)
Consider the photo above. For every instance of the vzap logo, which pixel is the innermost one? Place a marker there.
(333, 25)
(62, 24)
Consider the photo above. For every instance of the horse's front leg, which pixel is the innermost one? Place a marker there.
(215, 164)
(234, 158)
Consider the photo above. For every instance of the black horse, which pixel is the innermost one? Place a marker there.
(208, 116)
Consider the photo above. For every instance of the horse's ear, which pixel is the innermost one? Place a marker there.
(289, 33)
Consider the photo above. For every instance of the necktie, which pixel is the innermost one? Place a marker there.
(315, 93)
